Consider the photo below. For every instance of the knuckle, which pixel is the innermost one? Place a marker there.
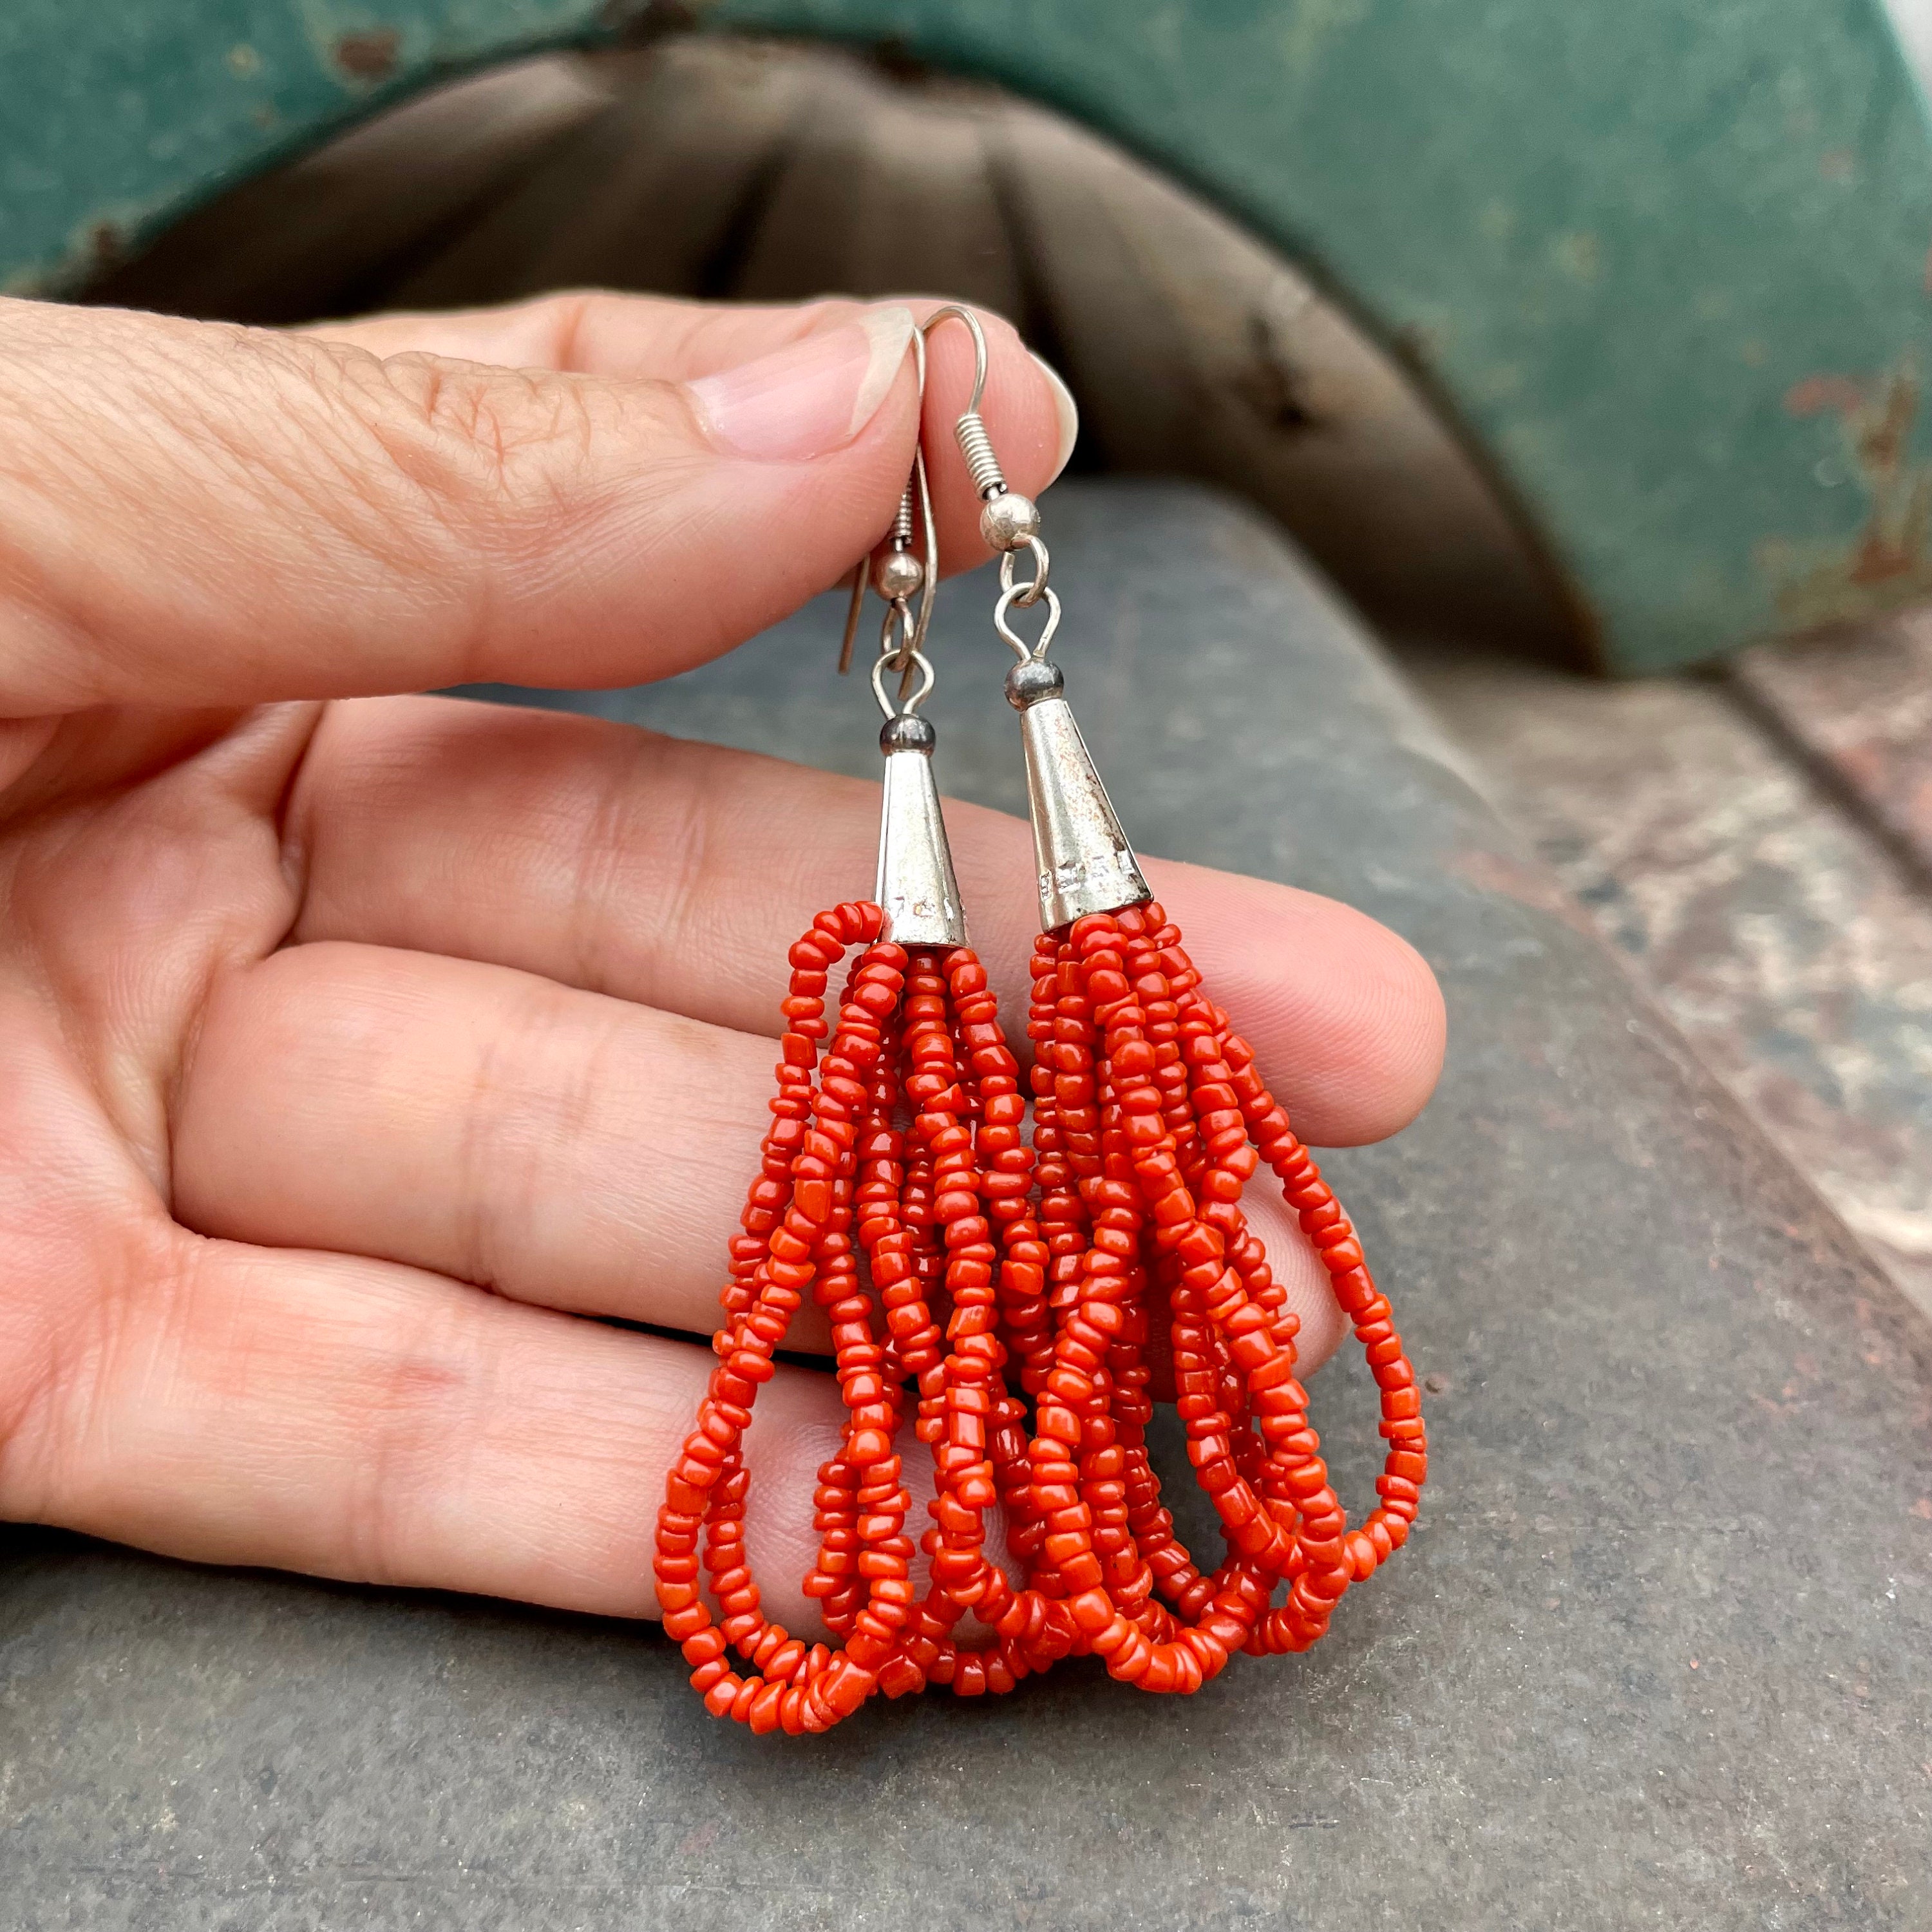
(484, 444)
(414, 1412)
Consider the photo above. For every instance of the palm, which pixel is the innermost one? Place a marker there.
(141, 866)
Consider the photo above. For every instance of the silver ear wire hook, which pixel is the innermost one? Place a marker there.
(1085, 864)
(915, 889)
(899, 576)
(1008, 521)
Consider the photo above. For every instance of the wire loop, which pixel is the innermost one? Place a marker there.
(957, 312)
(916, 497)
(1028, 594)
(908, 660)
(1010, 597)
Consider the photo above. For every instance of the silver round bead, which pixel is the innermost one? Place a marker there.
(897, 573)
(1010, 522)
(908, 732)
(1033, 682)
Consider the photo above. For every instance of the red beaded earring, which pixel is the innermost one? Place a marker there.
(1149, 1119)
(899, 1152)
(897, 1186)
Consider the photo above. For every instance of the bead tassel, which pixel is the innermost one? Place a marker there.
(1044, 1263)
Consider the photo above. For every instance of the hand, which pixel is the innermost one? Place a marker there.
(356, 1046)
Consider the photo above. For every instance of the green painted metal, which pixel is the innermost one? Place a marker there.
(1665, 261)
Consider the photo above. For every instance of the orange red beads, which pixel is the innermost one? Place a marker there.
(902, 1150)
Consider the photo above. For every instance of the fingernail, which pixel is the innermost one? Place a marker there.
(1068, 410)
(809, 397)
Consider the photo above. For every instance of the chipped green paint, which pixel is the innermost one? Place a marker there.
(1615, 240)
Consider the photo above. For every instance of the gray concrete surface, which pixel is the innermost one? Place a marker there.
(1656, 1656)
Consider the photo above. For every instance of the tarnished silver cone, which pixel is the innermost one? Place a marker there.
(1084, 862)
(915, 890)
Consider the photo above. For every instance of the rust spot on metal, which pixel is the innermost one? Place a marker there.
(1817, 393)
(1889, 560)
(1270, 383)
(369, 55)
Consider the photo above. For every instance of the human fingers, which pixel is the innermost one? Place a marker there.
(558, 1146)
(676, 874)
(352, 1418)
(595, 332)
(196, 514)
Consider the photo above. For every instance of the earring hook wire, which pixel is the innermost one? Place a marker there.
(959, 312)
(976, 446)
(915, 505)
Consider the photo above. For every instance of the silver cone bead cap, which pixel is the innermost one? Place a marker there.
(1084, 862)
(915, 890)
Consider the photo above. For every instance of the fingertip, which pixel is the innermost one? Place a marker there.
(1404, 1032)
(1066, 410)
(809, 398)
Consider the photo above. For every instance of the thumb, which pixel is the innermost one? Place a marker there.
(192, 513)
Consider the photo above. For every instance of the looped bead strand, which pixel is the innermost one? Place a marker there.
(1148, 1106)
(796, 1233)
(839, 1179)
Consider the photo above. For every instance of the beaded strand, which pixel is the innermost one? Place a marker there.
(839, 1179)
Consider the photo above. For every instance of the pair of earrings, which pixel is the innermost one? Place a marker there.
(899, 1188)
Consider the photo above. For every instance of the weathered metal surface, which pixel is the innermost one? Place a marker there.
(1637, 249)
(662, 192)
(1784, 939)
(1656, 1656)
(1858, 704)
(333, 233)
